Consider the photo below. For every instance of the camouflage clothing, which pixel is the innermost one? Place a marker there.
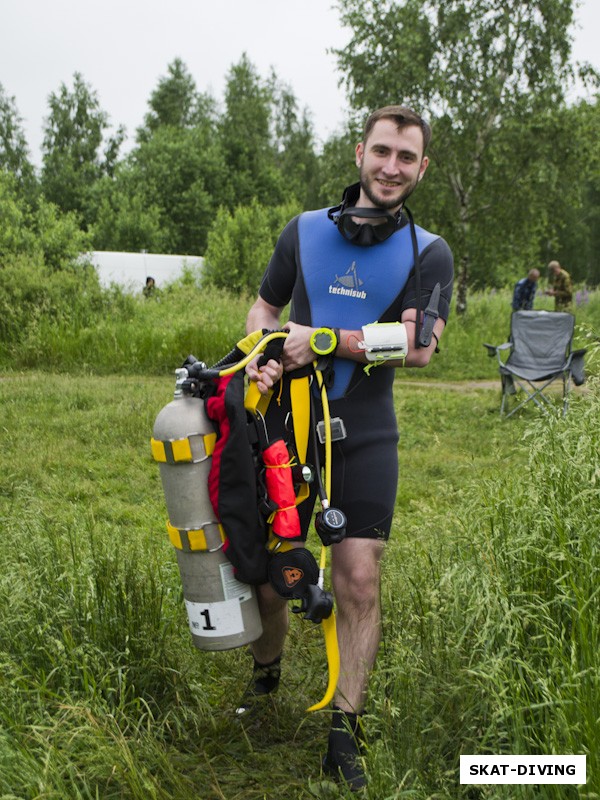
(563, 289)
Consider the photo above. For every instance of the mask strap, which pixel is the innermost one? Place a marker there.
(334, 213)
(417, 262)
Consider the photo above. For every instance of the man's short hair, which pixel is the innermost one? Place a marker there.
(403, 116)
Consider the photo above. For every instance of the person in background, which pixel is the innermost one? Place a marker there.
(562, 288)
(149, 288)
(524, 291)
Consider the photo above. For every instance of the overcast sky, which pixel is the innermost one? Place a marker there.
(123, 47)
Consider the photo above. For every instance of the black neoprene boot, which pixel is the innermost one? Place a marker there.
(343, 750)
(265, 681)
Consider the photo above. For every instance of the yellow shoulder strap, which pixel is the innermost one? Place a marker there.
(300, 400)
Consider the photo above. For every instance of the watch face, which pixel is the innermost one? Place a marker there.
(323, 341)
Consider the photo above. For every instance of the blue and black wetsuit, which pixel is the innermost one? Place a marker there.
(332, 282)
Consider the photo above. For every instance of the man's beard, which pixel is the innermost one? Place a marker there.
(394, 202)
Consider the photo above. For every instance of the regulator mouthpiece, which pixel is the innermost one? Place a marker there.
(317, 604)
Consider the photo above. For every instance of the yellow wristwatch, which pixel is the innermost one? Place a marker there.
(324, 341)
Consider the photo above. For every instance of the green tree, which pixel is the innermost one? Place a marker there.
(125, 218)
(163, 195)
(14, 152)
(295, 146)
(72, 151)
(177, 103)
(246, 137)
(576, 242)
(41, 233)
(240, 245)
(182, 173)
(337, 167)
(16, 235)
(481, 70)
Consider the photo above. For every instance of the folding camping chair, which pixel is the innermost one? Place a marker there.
(539, 352)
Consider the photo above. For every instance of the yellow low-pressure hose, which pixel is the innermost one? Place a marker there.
(329, 627)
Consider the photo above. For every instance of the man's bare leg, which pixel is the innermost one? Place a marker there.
(274, 617)
(355, 576)
(266, 650)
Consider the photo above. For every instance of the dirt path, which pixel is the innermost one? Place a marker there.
(456, 386)
(471, 386)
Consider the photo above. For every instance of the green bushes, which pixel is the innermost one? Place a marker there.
(32, 295)
(37, 230)
(65, 321)
(240, 245)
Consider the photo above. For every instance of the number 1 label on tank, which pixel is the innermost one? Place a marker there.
(215, 619)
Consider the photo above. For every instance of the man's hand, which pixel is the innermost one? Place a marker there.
(297, 351)
(266, 376)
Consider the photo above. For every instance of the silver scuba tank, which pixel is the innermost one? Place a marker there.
(222, 611)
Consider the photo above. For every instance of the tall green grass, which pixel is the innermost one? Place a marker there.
(101, 693)
(142, 336)
(487, 319)
(49, 324)
(490, 609)
(492, 632)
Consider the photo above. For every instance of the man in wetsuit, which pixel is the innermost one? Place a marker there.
(344, 271)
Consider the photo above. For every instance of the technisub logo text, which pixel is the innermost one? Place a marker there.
(348, 284)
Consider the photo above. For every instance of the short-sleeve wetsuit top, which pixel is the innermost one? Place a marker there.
(332, 282)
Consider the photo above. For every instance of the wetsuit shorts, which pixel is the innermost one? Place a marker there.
(364, 469)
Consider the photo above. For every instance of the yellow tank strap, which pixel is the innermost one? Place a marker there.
(208, 538)
(193, 448)
(300, 398)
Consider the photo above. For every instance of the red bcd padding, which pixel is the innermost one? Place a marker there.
(280, 489)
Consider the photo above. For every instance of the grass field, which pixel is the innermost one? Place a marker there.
(123, 334)
(490, 607)
(490, 593)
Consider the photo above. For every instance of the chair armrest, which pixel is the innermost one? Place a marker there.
(493, 348)
(576, 366)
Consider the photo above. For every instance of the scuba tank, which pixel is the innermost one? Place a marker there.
(231, 492)
(222, 611)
